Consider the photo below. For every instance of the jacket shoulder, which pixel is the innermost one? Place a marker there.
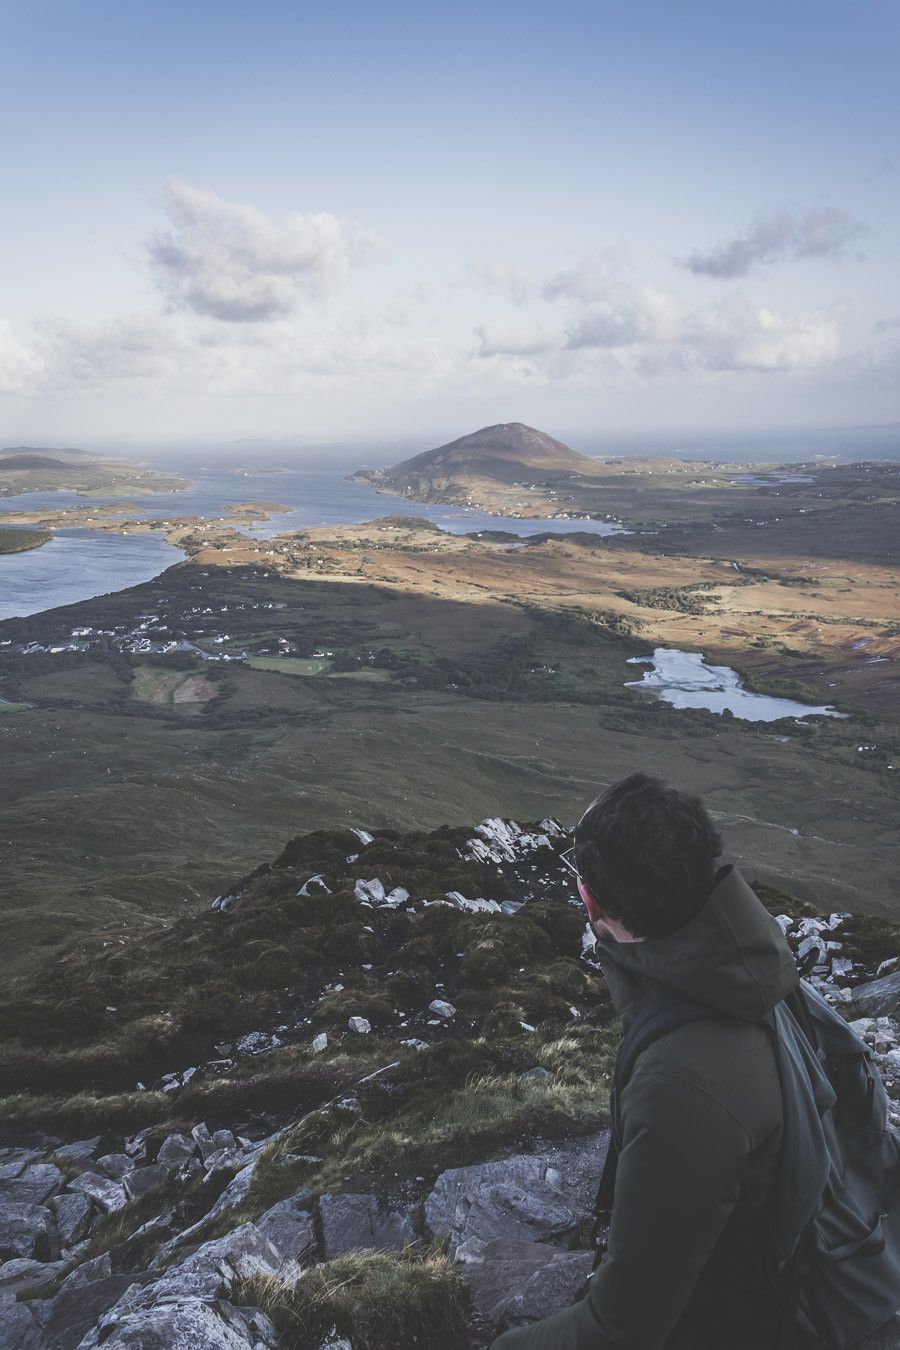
(730, 1060)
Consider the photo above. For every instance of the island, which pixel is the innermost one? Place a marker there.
(29, 469)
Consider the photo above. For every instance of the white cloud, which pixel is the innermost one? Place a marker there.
(132, 347)
(20, 367)
(514, 339)
(648, 330)
(820, 233)
(228, 261)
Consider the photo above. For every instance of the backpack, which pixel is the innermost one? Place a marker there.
(836, 1209)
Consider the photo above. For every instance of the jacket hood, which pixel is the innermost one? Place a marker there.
(732, 955)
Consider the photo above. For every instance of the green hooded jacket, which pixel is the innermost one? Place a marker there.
(687, 1263)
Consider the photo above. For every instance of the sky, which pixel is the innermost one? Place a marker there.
(357, 222)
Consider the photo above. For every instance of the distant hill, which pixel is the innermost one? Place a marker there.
(29, 461)
(66, 453)
(509, 452)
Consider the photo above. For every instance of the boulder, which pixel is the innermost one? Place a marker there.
(175, 1151)
(26, 1230)
(77, 1307)
(190, 1324)
(289, 1227)
(100, 1268)
(79, 1151)
(19, 1328)
(879, 998)
(73, 1216)
(207, 1274)
(352, 1222)
(144, 1179)
(516, 1282)
(23, 1272)
(530, 1197)
(33, 1185)
(115, 1165)
(109, 1195)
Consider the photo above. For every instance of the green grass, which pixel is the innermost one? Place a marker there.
(18, 541)
(290, 665)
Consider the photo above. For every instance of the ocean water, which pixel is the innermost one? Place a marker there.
(686, 681)
(78, 564)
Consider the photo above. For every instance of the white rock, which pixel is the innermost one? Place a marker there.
(317, 880)
(319, 1043)
(361, 1025)
(363, 836)
(442, 1008)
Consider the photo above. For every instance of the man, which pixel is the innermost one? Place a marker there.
(687, 1264)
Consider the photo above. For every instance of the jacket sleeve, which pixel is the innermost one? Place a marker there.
(683, 1161)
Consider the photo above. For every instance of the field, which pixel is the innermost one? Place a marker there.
(469, 679)
(17, 541)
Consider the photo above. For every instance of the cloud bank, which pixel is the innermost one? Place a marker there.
(822, 233)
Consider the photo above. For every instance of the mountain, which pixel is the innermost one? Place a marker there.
(507, 453)
(29, 461)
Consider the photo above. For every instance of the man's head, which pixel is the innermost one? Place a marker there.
(646, 856)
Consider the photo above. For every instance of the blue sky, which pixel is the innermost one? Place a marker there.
(368, 220)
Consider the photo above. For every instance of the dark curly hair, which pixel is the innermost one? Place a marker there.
(648, 854)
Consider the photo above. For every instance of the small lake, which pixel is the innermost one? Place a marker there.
(684, 680)
(80, 563)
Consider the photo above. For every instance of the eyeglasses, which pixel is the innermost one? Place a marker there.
(568, 860)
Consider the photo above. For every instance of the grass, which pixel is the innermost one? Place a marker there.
(290, 665)
(377, 1299)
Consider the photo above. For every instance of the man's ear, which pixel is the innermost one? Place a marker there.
(595, 914)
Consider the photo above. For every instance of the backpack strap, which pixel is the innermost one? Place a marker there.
(655, 1017)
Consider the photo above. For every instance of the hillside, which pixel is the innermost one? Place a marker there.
(507, 454)
(350, 1066)
(38, 469)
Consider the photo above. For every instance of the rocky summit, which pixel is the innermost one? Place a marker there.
(360, 1102)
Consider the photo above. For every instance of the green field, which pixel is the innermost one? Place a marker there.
(290, 665)
(123, 808)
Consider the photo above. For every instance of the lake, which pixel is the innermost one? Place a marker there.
(684, 680)
(78, 564)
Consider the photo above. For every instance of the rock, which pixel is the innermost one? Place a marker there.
(361, 1025)
(204, 1140)
(77, 1307)
(289, 1227)
(175, 1151)
(73, 1217)
(880, 997)
(319, 1043)
(190, 1324)
(526, 1198)
(224, 1160)
(234, 1193)
(549, 1289)
(516, 1282)
(317, 880)
(80, 1151)
(353, 1222)
(109, 1195)
(115, 1165)
(19, 1329)
(23, 1272)
(144, 1179)
(208, 1273)
(890, 963)
(13, 1161)
(442, 1008)
(537, 1072)
(34, 1184)
(257, 1043)
(100, 1268)
(26, 1230)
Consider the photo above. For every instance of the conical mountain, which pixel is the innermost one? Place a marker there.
(508, 452)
